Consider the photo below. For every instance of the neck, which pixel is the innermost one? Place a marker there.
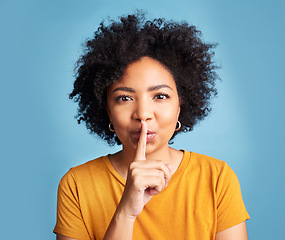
(164, 153)
(122, 160)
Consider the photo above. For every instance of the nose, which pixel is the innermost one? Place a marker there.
(142, 111)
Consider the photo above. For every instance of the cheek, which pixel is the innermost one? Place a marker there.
(119, 126)
(120, 118)
(169, 115)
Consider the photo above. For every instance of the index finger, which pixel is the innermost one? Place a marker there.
(140, 151)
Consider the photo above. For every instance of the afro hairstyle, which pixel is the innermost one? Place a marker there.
(177, 46)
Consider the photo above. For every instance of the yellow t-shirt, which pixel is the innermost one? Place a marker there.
(202, 198)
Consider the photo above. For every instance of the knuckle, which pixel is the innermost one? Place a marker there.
(135, 171)
(133, 165)
(163, 181)
(161, 174)
(133, 174)
(160, 181)
(161, 165)
(160, 162)
(159, 188)
(137, 183)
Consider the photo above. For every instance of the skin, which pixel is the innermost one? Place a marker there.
(147, 92)
(144, 107)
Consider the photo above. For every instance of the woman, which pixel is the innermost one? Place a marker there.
(139, 83)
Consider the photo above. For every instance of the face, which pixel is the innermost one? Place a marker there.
(147, 91)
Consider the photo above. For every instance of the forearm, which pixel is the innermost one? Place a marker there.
(121, 227)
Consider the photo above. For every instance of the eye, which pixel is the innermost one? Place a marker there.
(161, 96)
(123, 98)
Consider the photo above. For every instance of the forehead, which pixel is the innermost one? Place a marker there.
(145, 73)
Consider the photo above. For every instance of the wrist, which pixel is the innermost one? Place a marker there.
(123, 215)
(120, 227)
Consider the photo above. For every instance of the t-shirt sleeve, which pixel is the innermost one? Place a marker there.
(69, 217)
(230, 206)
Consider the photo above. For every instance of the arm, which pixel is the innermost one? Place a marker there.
(61, 237)
(231, 208)
(145, 179)
(121, 227)
(237, 232)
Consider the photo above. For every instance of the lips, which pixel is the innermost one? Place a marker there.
(136, 134)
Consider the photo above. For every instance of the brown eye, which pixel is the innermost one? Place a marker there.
(123, 98)
(161, 96)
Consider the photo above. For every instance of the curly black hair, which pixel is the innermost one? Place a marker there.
(177, 46)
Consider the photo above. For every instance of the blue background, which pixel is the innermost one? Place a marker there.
(40, 140)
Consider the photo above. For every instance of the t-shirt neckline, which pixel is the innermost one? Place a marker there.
(174, 177)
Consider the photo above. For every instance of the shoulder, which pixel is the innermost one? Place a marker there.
(86, 170)
(91, 165)
(214, 175)
(209, 167)
(220, 173)
(205, 161)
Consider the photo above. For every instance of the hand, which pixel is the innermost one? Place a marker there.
(145, 179)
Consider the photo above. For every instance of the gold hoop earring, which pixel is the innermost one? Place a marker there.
(110, 127)
(178, 127)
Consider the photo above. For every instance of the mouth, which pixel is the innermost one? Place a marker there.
(136, 134)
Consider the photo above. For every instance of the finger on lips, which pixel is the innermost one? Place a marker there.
(140, 151)
(156, 174)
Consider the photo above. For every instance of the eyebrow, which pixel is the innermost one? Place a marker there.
(152, 88)
(126, 89)
(157, 87)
